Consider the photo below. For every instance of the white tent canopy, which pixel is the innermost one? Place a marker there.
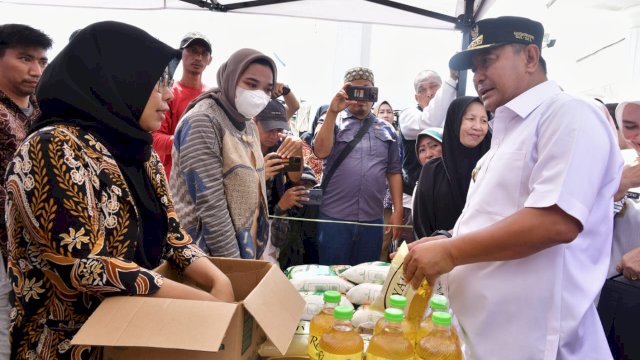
(593, 60)
(412, 13)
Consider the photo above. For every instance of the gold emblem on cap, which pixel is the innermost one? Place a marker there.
(475, 37)
(476, 42)
(523, 36)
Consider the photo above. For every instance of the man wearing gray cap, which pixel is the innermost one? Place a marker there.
(530, 251)
(196, 56)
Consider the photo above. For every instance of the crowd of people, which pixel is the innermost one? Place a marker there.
(523, 196)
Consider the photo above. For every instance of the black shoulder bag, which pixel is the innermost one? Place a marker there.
(308, 229)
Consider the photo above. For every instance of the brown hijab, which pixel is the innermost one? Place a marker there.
(228, 75)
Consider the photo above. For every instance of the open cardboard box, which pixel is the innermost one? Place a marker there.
(139, 327)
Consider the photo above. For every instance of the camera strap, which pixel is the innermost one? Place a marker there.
(366, 124)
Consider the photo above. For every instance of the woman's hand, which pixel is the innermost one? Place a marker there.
(629, 265)
(211, 279)
(291, 146)
(272, 165)
(292, 197)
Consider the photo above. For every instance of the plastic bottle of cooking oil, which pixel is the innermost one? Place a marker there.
(391, 343)
(436, 303)
(419, 303)
(440, 343)
(322, 322)
(408, 328)
(342, 342)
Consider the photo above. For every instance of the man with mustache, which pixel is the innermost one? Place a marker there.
(23, 57)
(530, 251)
(196, 56)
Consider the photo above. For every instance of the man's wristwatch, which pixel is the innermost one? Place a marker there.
(285, 90)
(441, 232)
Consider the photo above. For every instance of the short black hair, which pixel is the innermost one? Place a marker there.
(19, 35)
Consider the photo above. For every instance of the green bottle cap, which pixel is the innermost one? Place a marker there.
(393, 314)
(441, 318)
(331, 296)
(342, 312)
(439, 302)
(398, 301)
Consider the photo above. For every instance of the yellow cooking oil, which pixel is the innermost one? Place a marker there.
(322, 322)
(342, 341)
(408, 328)
(391, 343)
(440, 343)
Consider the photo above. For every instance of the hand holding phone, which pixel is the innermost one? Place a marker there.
(362, 93)
(314, 196)
(291, 164)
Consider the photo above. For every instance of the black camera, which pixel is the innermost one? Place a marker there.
(293, 164)
(363, 93)
(315, 197)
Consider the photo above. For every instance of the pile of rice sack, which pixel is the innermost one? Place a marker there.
(366, 287)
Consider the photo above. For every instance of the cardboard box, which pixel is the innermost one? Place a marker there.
(139, 327)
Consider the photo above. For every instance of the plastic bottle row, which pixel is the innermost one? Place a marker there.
(332, 336)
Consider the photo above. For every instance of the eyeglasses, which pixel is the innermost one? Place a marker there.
(164, 83)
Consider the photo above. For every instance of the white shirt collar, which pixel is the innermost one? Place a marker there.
(529, 100)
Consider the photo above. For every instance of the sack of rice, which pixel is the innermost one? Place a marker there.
(364, 294)
(301, 271)
(321, 283)
(314, 303)
(374, 272)
(366, 317)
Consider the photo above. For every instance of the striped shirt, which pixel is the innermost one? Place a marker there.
(217, 183)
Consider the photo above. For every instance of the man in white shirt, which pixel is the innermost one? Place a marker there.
(433, 99)
(531, 249)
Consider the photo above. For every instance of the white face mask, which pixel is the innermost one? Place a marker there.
(251, 102)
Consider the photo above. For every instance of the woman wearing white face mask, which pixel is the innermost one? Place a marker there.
(218, 171)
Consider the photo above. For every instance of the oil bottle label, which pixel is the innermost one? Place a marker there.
(314, 346)
(323, 355)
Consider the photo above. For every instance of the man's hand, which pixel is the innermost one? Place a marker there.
(291, 146)
(420, 241)
(630, 178)
(427, 260)
(629, 266)
(454, 74)
(395, 219)
(292, 197)
(341, 100)
(272, 165)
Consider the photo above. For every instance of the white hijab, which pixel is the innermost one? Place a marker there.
(619, 111)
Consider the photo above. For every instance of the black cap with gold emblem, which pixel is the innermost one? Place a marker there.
(488, 33)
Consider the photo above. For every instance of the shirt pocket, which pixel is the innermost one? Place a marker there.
(500, 183)
(345, 135)
(380, 142)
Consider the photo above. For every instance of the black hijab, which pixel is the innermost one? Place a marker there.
(228, 75)
(444, 182)
(101, 82)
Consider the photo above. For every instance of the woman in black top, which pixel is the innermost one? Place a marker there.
(444, 182)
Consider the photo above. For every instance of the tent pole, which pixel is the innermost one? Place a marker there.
(465, 22)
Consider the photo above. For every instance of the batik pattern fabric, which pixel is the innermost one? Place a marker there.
(73, 230)
(14, 125)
